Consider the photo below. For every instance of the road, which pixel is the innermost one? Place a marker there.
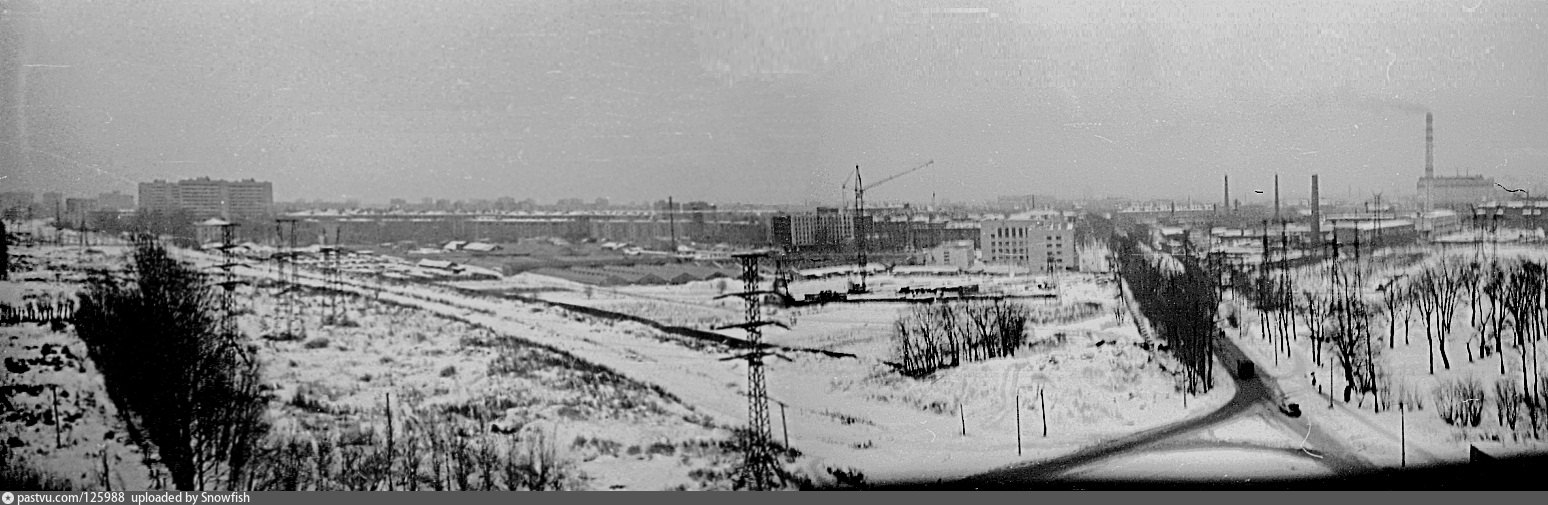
(1254, 397)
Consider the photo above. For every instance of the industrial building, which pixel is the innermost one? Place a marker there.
(1373, 234)
(1437, 223)
(1514, 214)
(1455, 192)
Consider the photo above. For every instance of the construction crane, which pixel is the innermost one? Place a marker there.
(860, 188)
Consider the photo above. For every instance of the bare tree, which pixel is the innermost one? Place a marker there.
(1426, 294)
(1495, 286)
(1314, 311)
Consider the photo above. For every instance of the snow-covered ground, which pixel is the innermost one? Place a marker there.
(1383, 438)
(433, 364)
(43, 365)
(841, 413)
(860, 414)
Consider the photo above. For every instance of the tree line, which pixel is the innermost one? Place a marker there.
(186, 383)
(1179, 298)
(929, 337)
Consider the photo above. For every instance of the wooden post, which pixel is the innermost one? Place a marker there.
(1403, 431)
(963, 415)
(390, 456)
(1044, 408)
(53, 390)
(784, 426)
(1018, 424)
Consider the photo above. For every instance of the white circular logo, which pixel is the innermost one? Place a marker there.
(8, 498)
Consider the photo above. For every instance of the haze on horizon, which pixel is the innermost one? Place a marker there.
(777, 101)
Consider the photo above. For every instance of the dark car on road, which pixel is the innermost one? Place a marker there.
(1290, 409)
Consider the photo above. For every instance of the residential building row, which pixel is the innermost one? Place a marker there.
(209, 197)
(19, 205)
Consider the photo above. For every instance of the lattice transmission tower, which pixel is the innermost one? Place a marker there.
(760, 470)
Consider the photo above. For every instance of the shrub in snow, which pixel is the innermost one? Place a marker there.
(1507, 402)
(1409, 398)
(929, 337)
(848, 477)
(534, 463)
(661, 449)
(1460, 402)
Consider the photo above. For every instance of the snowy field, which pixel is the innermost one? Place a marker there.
(1098, 383)
(437, 349)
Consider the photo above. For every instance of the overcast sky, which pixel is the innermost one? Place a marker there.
(777, 101)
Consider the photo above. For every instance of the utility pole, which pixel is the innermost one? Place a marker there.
(672, 223)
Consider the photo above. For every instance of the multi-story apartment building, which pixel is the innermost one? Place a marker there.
(1033, 242)
(209, 197)
(828, 228)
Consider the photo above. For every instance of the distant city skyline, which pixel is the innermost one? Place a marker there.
(776, 102)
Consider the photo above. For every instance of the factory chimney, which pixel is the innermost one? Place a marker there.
(1429, 161)
(1316, 217)
(1227, 203)
(1276, 198)
(1429, 145)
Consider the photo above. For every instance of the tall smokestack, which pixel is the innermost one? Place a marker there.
(1227, 203)
(1316, 217)
(1276, 197)
(1429, 145)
